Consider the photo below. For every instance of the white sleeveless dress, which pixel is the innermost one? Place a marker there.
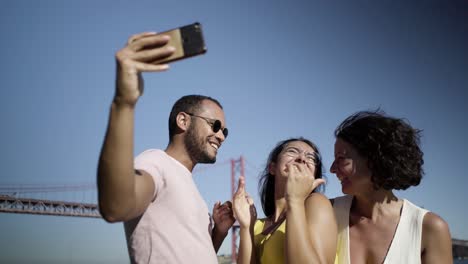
(406, 244)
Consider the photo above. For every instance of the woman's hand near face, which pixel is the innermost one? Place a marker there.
(310, 232)
(301, 181)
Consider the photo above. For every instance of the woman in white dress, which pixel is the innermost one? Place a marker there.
(374, 155)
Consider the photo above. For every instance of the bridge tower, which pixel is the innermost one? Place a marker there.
(237, 169)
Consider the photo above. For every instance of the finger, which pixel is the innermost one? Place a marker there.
(250, 200)
(224, 209)
(138, 36)
(152, 55)
(146, 67)
(242, 181)
(227, 205)
(311, 169)
(317, 183)
(305, 169)
(221, 215)
(240, 187)
(216, 205)
(238, 193)
(149, 42)
(225, 213)
(295, 166)
(216, 209)
(300, 167)
(253, 210)
(292, 167)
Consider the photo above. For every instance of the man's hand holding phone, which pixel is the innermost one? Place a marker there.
(137, 57)
(151, 52)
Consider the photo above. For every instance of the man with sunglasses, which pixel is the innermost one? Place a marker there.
(166, 220)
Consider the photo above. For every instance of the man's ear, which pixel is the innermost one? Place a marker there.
(271, 168)
(183, 121)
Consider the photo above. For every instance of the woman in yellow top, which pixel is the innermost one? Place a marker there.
(300, 225)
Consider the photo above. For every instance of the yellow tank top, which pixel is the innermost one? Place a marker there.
(269, 248)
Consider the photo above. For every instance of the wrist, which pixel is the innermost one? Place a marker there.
(219, 233)
(244, 225)
(119, 103)
(293, 202)
(246, 230)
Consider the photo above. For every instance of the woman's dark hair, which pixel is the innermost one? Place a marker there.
(390, 145)
(266, 186)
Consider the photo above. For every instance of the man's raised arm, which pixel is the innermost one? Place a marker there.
(124, 193)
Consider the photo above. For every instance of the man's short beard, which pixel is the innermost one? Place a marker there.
(196, 147)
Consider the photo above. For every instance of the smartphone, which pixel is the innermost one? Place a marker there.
(187, 40)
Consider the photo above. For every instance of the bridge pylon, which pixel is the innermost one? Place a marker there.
(237, 169)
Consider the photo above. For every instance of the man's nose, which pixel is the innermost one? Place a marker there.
(219, 135)
(333, 167)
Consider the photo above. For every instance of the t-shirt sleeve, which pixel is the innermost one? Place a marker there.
(148, 161)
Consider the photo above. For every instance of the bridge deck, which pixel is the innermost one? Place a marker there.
(11, 204)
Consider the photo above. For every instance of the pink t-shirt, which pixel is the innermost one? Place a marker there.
(175, 228)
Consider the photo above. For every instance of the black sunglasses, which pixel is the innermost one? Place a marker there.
(214, 123)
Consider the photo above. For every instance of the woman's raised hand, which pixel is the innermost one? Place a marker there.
(301, 181)
(243, 205)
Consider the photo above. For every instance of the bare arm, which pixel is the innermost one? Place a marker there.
(122, 194)
(217, 238)
(311, 231)
(246, 253)
(246, 215)
(436, 240)
(311, 226)
(322, 226)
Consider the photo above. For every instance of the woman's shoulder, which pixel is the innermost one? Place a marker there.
(431, 222)
(434, 225)
(318, 202)
(318, 198)
(436, 240)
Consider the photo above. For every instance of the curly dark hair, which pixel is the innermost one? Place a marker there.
(390, 145)
(189, 104)
(266, 184)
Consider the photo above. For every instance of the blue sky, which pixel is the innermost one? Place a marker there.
(280, 68)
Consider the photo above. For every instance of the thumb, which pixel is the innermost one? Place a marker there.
(249, 200)
(217, 205)
(317, 183)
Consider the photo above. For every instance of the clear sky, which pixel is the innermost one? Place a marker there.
(280, 68)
